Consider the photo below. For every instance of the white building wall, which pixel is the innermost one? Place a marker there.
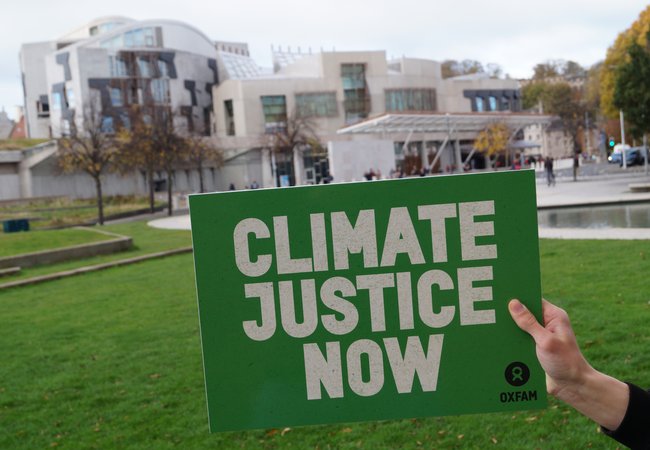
(9, 186)
(32, 66)
(47, 181)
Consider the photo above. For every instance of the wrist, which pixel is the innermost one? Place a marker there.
(598, 396)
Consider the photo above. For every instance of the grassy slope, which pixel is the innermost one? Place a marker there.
(60, 211)
(17, 144)
(34, 241)
(112, 360)
(145, 240)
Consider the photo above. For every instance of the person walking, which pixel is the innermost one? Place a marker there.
(550, 176)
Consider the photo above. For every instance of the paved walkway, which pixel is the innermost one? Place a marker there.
(603, 189)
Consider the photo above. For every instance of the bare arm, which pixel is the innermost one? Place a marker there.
(569, 376)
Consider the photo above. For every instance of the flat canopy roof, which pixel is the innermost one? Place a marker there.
(442, 123)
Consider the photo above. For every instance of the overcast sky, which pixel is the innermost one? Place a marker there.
(514, 34)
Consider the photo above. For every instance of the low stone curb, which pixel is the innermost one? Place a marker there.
(62, 254)
(94, 268)
(9, 271)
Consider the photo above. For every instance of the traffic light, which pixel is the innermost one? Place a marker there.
(611, 142)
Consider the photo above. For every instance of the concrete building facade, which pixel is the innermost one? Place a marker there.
(337, 89)
(113, 63)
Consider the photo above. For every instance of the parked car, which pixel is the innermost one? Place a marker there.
(633, 155)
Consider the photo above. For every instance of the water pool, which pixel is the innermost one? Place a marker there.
(602, 216)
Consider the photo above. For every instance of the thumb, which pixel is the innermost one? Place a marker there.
(525, 320)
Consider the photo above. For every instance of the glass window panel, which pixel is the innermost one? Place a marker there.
(410, 99)
(163, 69)
(505, 103)
(274, 108)
(116, 97)
(479, 104)
(107, 124)
(56, 100)
(128, 39)
(149, 39)
(160, 90)
(69, 95)
(493, 103)
(145, 68)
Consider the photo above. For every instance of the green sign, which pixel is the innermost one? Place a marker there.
(365, 301)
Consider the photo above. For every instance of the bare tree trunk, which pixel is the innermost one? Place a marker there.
(100, 200)
(169, 192)
(201, 187)
(151, 189)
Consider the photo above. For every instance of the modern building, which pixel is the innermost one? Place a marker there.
(337, 89)
(216, 89)
(112, 63)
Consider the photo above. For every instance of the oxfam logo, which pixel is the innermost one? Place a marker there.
(517, 374)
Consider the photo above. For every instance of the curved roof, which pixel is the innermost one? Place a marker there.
(139, 24)
(84, 30)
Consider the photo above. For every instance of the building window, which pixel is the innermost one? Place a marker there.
(43, 107)
(69, 98)
(140, 37)
(125, 121)
(355, 93)
(117, 67)
(230, 117)
(144, 67)
(114, 42)
(274, 108)
(116, 97)
(410, 100)
(353, 76)
(163, 69)
(505, 103)
(492, 101)
(316, 104)
(56, 101)
(107, 125)
(160, 90)
(479, 104)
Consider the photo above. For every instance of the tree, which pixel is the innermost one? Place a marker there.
(632, 89)
(562, 100)
(549, 69)
(493, 141)
(617, 56)
(297, 134)
(199, 152)
(532, 93)
(136, 150)
(452, 68)
(89, 147)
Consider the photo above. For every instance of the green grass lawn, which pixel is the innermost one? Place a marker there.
(35, 241)
(112, 360)
(145, 240)
(61, 211)
(17, 144)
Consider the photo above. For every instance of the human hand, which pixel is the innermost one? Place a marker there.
(556, 347)
(569, 376)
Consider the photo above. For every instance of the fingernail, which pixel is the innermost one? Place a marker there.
(516, 306)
